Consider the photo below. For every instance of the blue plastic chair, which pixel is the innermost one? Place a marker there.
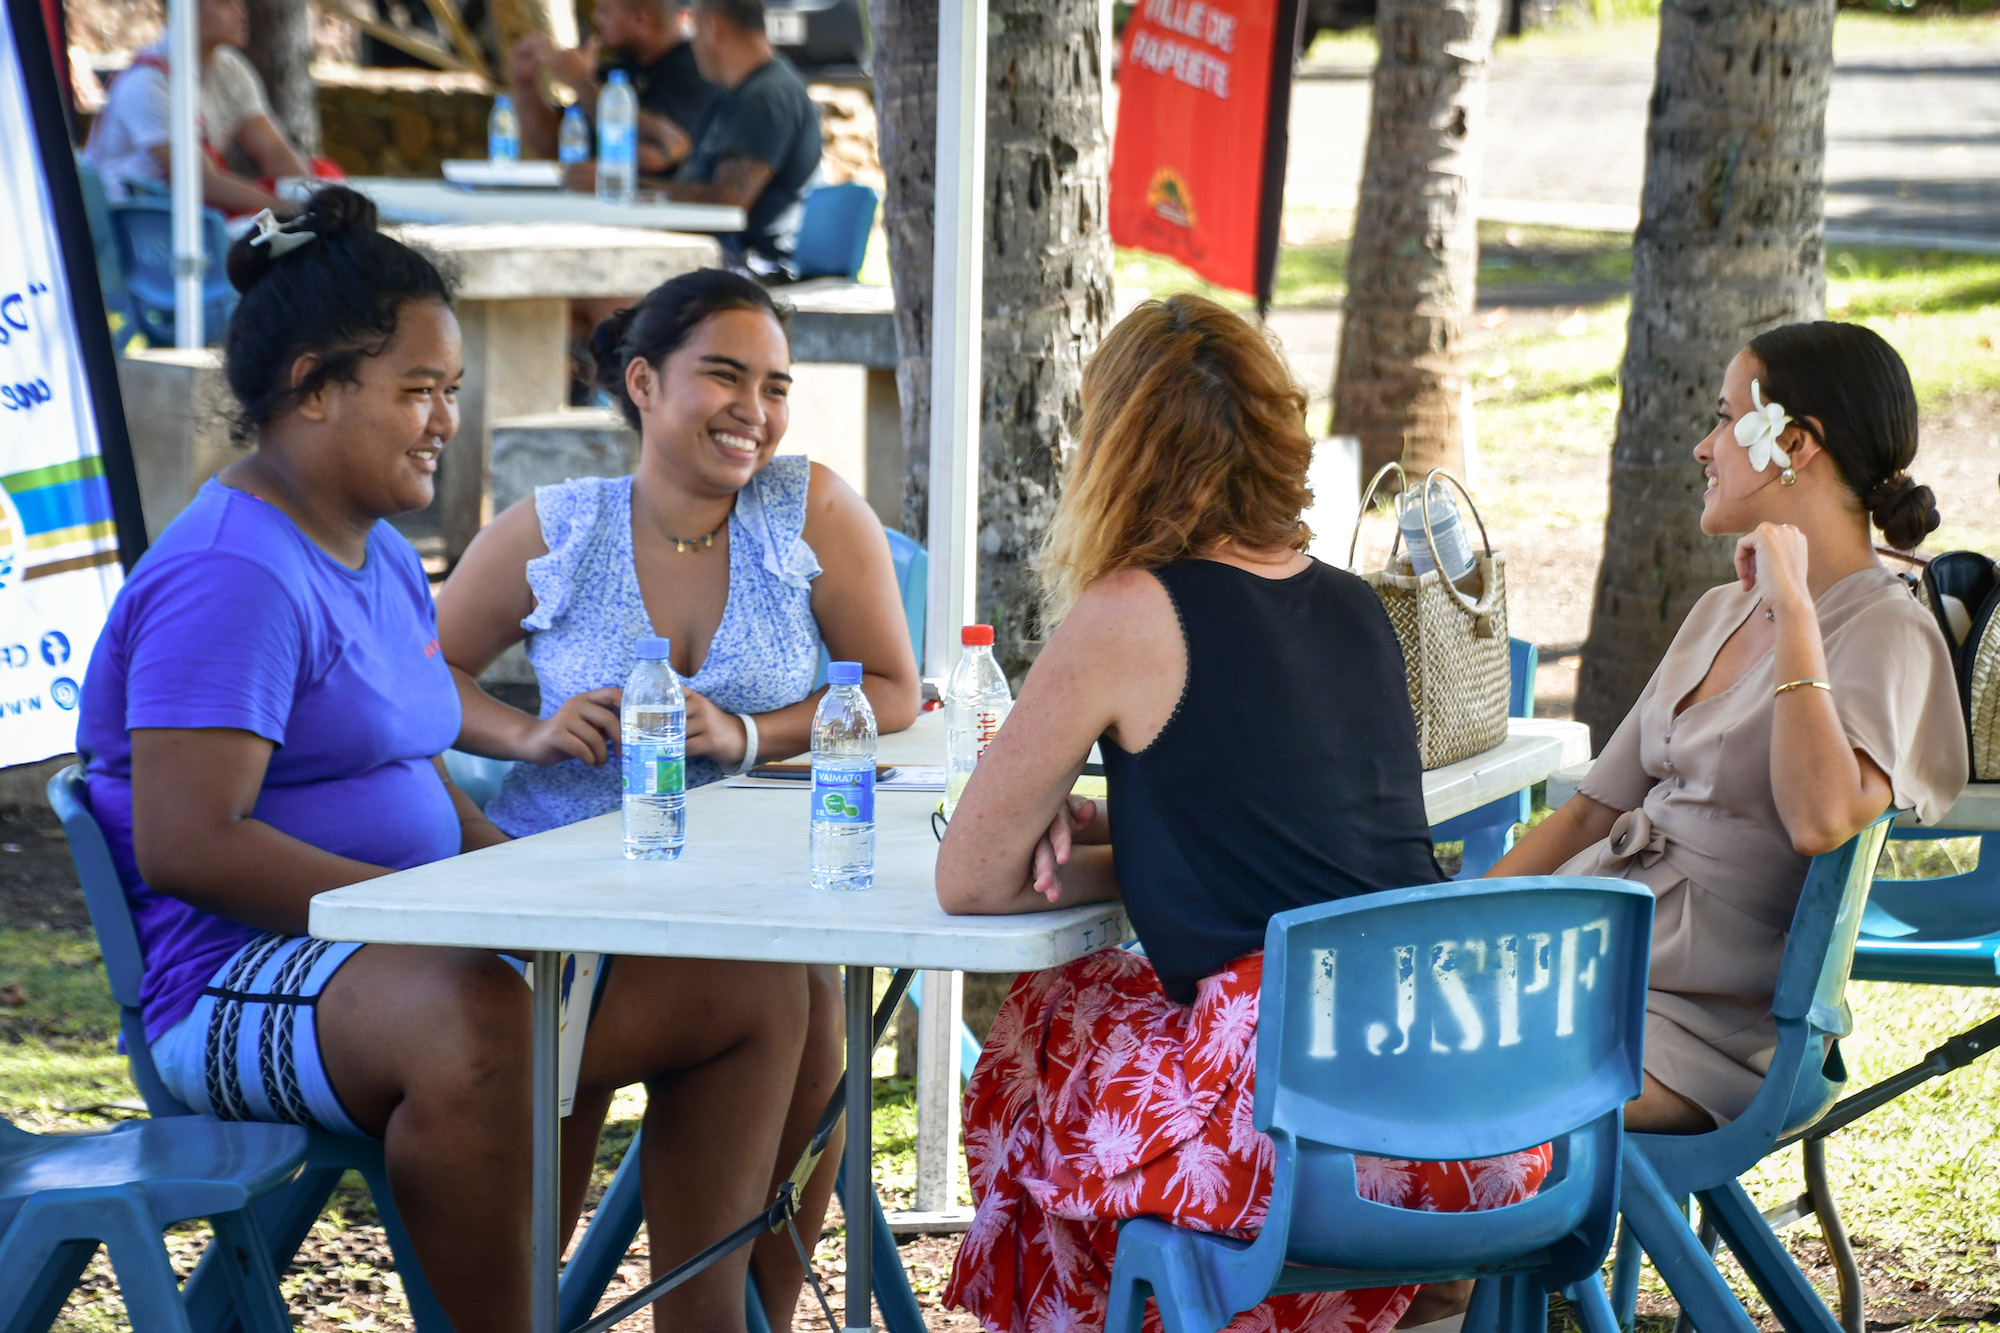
(1533, 992)
(1937, 932)
(286, 1215)
(104, 244)
(1804, 1079)
(144, 229)
(1488, 832)
(61, 1195)
(833, 232)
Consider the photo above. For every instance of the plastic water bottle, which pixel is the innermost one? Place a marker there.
(653, 723)
(503, 131)
(976, 702)
(573, 141)
(843, 786)
(1453, 548)
(617, 140)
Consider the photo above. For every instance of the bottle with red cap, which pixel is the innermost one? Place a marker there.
(976, 702)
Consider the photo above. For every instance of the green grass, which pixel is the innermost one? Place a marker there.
(57, 1047)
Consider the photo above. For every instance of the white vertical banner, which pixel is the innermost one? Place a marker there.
(59, 551)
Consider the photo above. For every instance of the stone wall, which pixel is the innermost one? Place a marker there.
(403, 122)
(400, 122)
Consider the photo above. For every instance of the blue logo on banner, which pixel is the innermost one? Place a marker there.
(64, 692)
(55, 647)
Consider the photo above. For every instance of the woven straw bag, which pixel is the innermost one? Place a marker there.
(1453, 635)
(1974, 582)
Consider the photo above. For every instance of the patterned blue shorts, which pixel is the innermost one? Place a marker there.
(249, 1050)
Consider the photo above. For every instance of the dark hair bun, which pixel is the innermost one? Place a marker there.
(1905, 511)
(330, 212)
(607, 348)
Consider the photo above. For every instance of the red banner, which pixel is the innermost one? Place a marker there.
(1187, 164)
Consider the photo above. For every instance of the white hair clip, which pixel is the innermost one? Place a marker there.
(278, 235)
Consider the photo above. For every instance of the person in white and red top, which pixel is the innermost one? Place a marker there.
(130, 140)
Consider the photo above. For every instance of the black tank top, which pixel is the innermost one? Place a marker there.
(1288, 775)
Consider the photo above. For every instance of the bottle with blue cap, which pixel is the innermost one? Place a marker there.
(503, 132)
(573, 140)
(653, 747)
(843, 784)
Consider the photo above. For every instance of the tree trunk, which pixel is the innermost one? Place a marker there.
(1413, 265)
(1048, 267)
(281, 47)
(1730, 243)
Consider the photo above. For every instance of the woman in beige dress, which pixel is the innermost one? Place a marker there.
(1794, 706)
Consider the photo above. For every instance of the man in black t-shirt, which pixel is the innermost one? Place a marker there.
(761, 145)
(641, 37)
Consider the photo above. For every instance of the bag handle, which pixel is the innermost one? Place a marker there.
(1368, 498)
(1424, 500)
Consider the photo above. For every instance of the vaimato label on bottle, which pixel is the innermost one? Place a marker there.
(843, 795)
(651, 771)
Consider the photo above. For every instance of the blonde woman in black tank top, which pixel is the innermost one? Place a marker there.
(1261, 756)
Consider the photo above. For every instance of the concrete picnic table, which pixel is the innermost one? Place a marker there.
(742, 891)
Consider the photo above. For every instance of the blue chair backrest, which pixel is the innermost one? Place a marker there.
(1448, 1022)
(1806, 1073)
(1523, 658)
(833, 231)
(103, 243)
(1811, 995)
(913, 576)
(145, 232)
(117, 939)
(913, 571)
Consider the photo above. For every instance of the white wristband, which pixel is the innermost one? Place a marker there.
(749, 760)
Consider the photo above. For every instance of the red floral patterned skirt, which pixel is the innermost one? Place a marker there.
(1098, 1098)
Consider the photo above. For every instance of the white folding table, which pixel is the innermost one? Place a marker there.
(742, 891)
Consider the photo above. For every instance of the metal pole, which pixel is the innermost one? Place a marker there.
(859, 1200)
(938, 1092)
(958, 306)
(547, 1245)
(957, 311)
(184, 140)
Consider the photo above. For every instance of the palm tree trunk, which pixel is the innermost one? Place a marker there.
(281, 47)
(1414, 261)
(1731, 242)
(1048, 266)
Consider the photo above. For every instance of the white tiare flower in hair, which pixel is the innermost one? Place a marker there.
(1758, 431)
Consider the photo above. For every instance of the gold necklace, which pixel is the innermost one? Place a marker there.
(689, 543)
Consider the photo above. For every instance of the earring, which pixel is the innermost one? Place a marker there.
(1788, 478)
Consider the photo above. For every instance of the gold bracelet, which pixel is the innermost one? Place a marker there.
(1804, 683)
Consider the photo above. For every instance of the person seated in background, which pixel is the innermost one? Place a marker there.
(761, 147)
(131, 139)
(1795, 705)
(264, 718)
(1234, 683)
(642, 38)
(746, 560)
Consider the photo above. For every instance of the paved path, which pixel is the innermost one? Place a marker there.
(1913, 143)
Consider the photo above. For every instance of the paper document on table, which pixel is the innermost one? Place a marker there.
(486, 174)
(580, 973)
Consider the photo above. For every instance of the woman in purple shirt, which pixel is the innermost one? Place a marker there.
(263, 719)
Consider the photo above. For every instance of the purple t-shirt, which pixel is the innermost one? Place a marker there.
(235, 619)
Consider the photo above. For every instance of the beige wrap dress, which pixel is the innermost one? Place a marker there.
(1700, 824)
